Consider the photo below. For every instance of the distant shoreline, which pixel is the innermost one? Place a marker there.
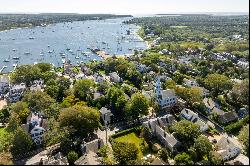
(34, 20)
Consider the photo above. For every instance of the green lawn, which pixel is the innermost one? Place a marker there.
(132, 138)
(4, 139)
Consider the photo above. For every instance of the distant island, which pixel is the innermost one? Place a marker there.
(12, 21)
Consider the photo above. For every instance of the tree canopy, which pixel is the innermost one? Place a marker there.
(138, 106)
(80, 120)
(83, 89)
(202, 146)
(186, 131)
(125, 153)
(217, 83)
(38, 101)
(21, 142)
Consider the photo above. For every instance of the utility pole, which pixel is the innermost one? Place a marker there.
(106, 132)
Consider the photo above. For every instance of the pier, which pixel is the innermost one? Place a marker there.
(102, 54)
(2, 68)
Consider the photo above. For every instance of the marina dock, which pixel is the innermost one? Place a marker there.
(1, 70)
(102, 54)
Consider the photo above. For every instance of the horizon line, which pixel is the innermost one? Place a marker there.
(160, 13)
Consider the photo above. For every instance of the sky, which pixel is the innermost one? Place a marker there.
(123, 6)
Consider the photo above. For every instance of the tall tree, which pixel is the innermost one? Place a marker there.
(183, 159)
(186, 131)
(244, 138)
(202, 146)
(138, 106)
(38, 100)
(83, 89)
(22, 110)
(217, 83)
(215, 158)
(80, 120)
(240, 92)
(21, 142)
(125, 153)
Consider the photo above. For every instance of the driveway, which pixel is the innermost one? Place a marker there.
(2, 104)
(102, 135)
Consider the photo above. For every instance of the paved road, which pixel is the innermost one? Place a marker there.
(102, 135)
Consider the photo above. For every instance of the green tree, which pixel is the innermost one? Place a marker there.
(52, 90)
(44, 67)
(134, 77)
(63, 84)
(14, 122)
(39, 101)
(215, 158)
(169, 84)
(83, 89)
(202, 146)
(187, 131)
(163, 154)
(55, 134)
(21, 142)
(72, 157)
(240, 92)
(124, 152)
(80, 120)
(70, 101)
(21, 108)
(116, 99)
(4, 115)
(25, 74)
(191, 95)
(104, 151)
(217, 83)
(103, 87)
(244, 138)
(138, 106)
(183, 159)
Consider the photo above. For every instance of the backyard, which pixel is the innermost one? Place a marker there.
(133, 138)
(4, 139)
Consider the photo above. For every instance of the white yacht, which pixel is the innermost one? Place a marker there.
(16, 58)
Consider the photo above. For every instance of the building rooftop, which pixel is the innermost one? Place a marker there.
(4, 79)
(169, 93)
(104, 110)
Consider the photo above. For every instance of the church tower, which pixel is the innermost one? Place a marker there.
(158, 88)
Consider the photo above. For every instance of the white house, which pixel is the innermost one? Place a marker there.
(190, 82)
(80, 76)
(16, 92)
(37, 134)
(114, 77)
(156, 126)
(165, 98)
(4, 84)
(100, 78)
(243, 64)
(37, 127)
(38, 85)
(193, 117)
(142, 68)
(227, 149)
(106, 115)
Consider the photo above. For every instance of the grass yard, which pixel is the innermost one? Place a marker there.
(132, 138)
(4, 139)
